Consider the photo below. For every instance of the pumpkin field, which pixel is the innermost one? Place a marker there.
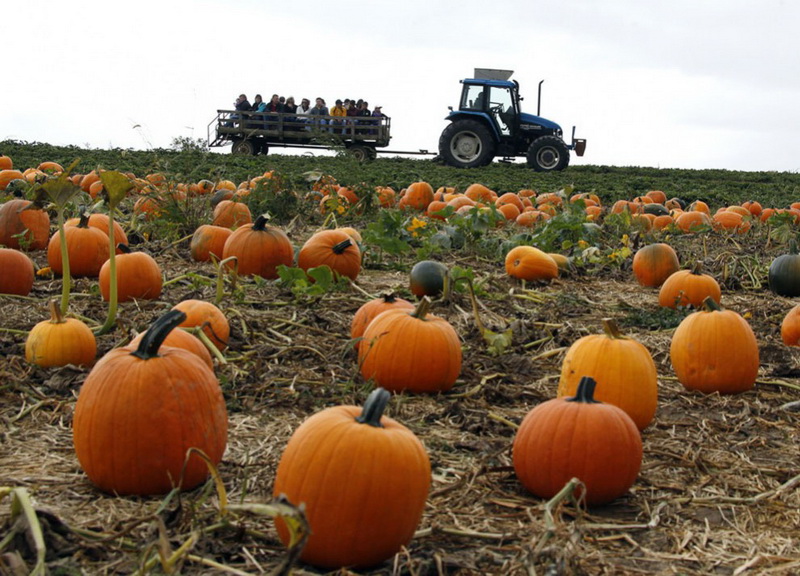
(484, 371)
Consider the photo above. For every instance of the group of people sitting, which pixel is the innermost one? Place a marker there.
(348, 110)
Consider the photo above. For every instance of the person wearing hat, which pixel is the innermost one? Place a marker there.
(377, 113)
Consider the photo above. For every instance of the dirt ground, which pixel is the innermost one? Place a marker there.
(717, 493)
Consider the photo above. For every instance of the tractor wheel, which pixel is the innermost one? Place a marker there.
(547, 154)
(466, 144)
(243, 148)
(362, 153)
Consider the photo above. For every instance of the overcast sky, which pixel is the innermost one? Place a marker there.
(678, 84)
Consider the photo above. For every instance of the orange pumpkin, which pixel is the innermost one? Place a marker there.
(179, 338)
(715, 350)
(23, 226)
(6, 163)
(790, 327)
(7, 176)
(418, 195)
(692, 221)
(333, 248)
(357, 520)
(231, 214)
(208, 317)
(18, 273)
(530, 264)
(259, 249)
(87, 249)
(411, 351)
(139, 412)
(578, 437)
(101, 222)
(688, 288)
(138, 276)
(623, 368)
(367, 312)
(654, 263)
(60, 341)
(208, 240)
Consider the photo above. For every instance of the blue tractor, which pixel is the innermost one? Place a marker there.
(489, 122)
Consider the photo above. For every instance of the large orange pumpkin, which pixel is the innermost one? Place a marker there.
(208, 241)
(101, 222)
(139, 412)
(411, 351)
(790, 327)
(17, 272)
(231, 214)
(23, 226)
(333, 248)
(138, 276)
(623, 368)
(654, 263)
(364, 479)
(578, 437)
(531, 264)
(259, 249)
(60, 341)
(418, 196)
(87, 249)
(715, 350)
(688, 288)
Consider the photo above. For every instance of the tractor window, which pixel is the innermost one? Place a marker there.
(472, 98)
(501, 105)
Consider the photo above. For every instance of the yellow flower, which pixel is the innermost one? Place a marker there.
(583, 244)
(415, 225)
(44, 271)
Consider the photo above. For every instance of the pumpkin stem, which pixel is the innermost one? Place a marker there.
(390, 297)
(585, 391)
(711, 305)
(422, 308)
(697, 269)
(124, 248)
(611, 329)
(84, 220)
(55, 313)
(342, 246)
(158, 331)
(374, 407)
(261, 223)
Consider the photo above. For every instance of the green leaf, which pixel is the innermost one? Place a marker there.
(117, 186)
(497, 342)
(322, 275)
(59, 190)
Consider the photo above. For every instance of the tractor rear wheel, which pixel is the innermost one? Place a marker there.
(466, 144)
(547, 154)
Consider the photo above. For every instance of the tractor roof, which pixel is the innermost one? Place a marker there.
(484, 82)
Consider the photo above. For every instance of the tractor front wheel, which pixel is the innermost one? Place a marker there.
(466, 144)
(548, 154)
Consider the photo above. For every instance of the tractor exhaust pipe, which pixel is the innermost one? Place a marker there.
(539, 102)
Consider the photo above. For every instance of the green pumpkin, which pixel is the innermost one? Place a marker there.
(784, 273)
(428, 278)
(656, 209)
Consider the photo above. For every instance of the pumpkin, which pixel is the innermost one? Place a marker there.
(692, 221)
(411, 351)
(790, 327)
(480, 193)
(715, 350)
(140, 411)
(8, 176)
(18, 272)
(87, 249)
(231, 214)
(418, 196)
(578, 437)
(784, 273)
(6, 163)
(333, 248)
(530, 264)
(259, 249)
(654, 263)
(138, 276)
(623, 368)
(209, 318)
(179, 338)
(101, 222)
(367, 312)
(364, 479)
(353, 233)
(60, 341)
(50, 167)
(428, 278)
(208, 240)
(23, 226)
(688, 288)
